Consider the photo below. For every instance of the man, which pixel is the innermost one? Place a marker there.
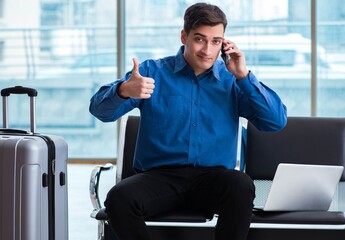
(190, 106)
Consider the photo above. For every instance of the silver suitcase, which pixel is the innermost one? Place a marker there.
(33, 180)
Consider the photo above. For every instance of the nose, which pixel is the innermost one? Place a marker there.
(207, 48)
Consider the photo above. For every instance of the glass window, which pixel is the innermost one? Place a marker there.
(270, 57)
(275, 44)
(331, 59)
(275, 36)
(68, 49)
(1, 9)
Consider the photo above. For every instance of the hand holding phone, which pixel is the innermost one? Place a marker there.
(235, 63)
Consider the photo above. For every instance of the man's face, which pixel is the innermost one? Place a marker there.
(202, 46)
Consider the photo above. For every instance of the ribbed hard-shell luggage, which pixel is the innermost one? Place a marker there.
(33, 180)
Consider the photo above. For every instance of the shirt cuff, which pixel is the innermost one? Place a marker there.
(114, 96)
(249, 83)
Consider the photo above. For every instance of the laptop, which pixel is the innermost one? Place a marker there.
(303, 187)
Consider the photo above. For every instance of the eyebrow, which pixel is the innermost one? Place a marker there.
(204, 36)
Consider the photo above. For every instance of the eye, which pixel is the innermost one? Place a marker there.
(199, 39)
(216, 42)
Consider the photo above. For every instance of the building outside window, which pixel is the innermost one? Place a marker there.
(68, 48)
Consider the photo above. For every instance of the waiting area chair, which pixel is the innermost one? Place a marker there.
(173, 225)
(305, 140)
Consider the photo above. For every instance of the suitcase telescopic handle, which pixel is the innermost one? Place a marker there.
(32, 93)
(19, 90)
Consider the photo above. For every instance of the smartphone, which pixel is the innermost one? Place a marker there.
(225, 57)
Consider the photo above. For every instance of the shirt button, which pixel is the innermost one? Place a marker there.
(194, 124)
(195, 103)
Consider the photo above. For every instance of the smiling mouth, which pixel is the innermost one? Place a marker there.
(204, 58)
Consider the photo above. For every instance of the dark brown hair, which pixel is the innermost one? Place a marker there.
(200, 14)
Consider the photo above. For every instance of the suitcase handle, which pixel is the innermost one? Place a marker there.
(13, 131)
(19, 90)
(32, 93)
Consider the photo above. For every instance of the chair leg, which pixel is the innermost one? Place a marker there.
(100, 230)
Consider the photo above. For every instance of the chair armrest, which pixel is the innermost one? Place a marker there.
(94, 186)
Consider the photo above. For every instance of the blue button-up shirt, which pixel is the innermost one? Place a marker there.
(191, 120)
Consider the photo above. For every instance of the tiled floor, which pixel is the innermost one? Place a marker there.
(81, 226)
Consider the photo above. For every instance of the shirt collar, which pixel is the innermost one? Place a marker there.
(215, 69)
(180, 64)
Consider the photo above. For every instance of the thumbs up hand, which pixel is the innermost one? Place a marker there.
(137, 86)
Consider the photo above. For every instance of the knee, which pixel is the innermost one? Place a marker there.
(243, 186)
(118, 202)
(246, 185)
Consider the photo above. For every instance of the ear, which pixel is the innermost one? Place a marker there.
(183, 36)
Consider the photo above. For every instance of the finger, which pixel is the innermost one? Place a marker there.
(230, 47)
(145, 95)
(148, 91)
(148, 83)
(149, 88)
(149, 80)
(226, 42)
(135, 65)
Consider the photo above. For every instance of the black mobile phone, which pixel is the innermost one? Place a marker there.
(225, 57)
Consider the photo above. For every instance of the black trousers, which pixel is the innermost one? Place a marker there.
(229, 193)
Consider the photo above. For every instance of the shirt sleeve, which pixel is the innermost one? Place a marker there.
(107, 105)
(261, 105)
